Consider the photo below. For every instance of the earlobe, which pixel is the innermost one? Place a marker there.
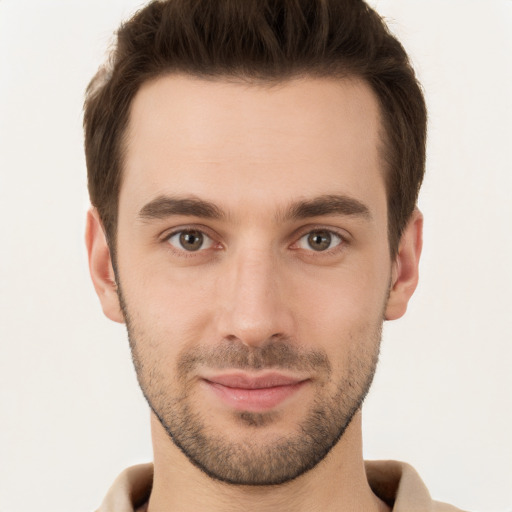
(405, 270)
(100, 267)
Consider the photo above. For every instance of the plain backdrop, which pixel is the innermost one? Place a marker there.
(71, 413)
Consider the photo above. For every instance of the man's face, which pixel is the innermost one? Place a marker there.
(253, 266)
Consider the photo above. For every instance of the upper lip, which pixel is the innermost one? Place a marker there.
(247, 381)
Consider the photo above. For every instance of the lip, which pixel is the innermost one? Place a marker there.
(254, 393)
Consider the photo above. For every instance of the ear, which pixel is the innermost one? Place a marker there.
(100, 267)
(404, 274)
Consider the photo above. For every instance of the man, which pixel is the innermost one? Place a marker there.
(254, 169)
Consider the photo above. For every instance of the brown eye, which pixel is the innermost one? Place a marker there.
(190, 240)
(319, 240)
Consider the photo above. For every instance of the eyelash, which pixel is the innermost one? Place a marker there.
(298, 236)
(190, 229)
(339, 244)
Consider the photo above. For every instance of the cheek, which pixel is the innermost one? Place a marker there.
(342, 307)
(343, 294)
(175, 309)
(169, 310)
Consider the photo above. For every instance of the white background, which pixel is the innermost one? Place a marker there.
(71, 414)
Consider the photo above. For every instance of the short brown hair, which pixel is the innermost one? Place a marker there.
(259, 40)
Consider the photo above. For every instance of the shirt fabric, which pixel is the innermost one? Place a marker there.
(395, 483)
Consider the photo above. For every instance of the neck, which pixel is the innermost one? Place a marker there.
(338, 483)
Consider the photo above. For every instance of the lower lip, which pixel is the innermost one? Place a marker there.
(254, 400)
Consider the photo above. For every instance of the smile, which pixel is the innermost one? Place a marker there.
(260, 393)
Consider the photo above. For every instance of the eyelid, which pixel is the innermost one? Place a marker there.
(217, 243)
(207, 242)
(306, 230)
(165, 235)
(334, 239)
(205, 231)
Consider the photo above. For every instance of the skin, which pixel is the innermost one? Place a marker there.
(252, 151)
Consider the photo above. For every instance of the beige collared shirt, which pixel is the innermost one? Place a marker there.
(396, 483)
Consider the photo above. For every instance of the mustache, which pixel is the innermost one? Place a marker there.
(281, 354)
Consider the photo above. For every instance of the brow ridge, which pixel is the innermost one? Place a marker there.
(167, 206)
(330, 204)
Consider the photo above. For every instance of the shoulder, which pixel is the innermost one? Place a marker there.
(437, 506)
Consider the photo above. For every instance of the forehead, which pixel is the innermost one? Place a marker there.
(242, 141)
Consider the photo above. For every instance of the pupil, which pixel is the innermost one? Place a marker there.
(191, 240)
(319, 240)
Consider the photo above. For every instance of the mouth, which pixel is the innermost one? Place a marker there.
(256, 392)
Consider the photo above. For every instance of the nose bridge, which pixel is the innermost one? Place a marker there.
(253, 310)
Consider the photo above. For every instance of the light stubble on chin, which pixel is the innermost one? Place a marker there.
(249, 461)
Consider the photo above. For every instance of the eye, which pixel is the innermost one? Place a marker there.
(190, 240)
(319, 240)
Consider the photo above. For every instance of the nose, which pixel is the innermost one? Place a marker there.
(252, 305)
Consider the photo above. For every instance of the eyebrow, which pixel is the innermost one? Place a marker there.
(326, 205)
(165, 206)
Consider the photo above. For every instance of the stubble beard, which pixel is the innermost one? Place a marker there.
(249, 462)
